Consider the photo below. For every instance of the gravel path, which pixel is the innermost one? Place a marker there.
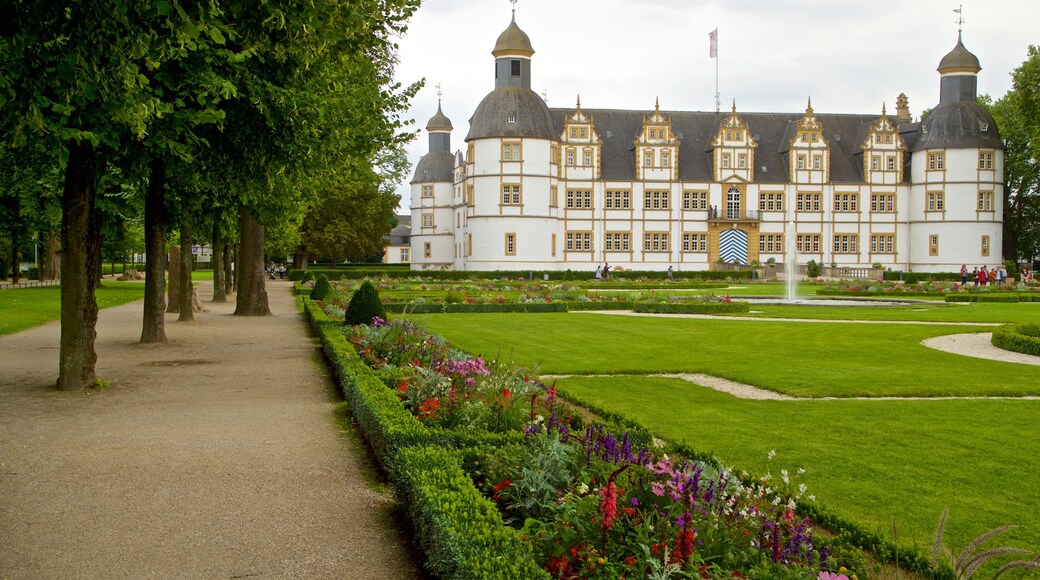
(215, 456)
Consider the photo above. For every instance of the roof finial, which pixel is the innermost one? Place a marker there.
(439, 96)
(960, 20)
(579, 102)
(734, 105)
(883, 112)
(808, 108)
(657, 105)
(513, 2)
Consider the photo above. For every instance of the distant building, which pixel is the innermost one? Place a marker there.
(554, 189)
(399, 246)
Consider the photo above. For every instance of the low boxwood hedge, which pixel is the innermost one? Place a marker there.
(1023, 337)
(1005, 297)
(473, 308)
(693, 308)
(459, 530)
(555, 275)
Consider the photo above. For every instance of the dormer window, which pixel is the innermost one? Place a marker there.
(983, 127)
(512, 118)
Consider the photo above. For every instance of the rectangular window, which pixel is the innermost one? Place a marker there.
(985, 160)
(579, 199)
(554, 196)
(807, 202)
(985, 201)
(586, 158)
(404, 254)
(695, 200)
(618, 241)
(510, 151)
(511, 194)
(552, 247)
(933, 245)
(771, 201)
(655, 242)
(427, 191)
(514, 68)
(807, 243)
(570, 157)
(694, 242)
(510, 244)
(936, 161)
(427, 220)
(936, 201)
(578, 242)
(882, 202)
(846, 202)
(882, 243)
(875, 162)
(427, 249)
(771, 243)
(648, 159)
(891, 163)
(725, 160)
(554, 154)
(846, 243)
(619, 199)
(666, 159)
(656, 199)
(816, 160)
(469, 244)
(742, 161)
(801, 162)
(985, 245)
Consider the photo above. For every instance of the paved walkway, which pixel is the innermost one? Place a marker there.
(215, 456)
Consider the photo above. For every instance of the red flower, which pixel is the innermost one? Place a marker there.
(429, 408)
(629, 511)
(631, 561)
(499, 487)
(507, 393)
(608, 505)
(402, 387)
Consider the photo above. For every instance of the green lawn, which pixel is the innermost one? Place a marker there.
(988, 312)
(28, 307)
(870, 461)
(805, 359)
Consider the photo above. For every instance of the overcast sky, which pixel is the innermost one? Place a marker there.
(849, 56)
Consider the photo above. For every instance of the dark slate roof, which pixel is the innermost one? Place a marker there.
(402, 232)
(491, 119)
(435, 166)
(773, 131)
(957, 125)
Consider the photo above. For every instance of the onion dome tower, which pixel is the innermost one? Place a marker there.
(958, 121)
(512, 109)
(431, 203)
(437, 164)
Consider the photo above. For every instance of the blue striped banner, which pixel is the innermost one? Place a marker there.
(733, 246)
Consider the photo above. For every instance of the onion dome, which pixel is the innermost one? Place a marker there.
(959, 60)
(513, 42)
(435, 166)
(512, 112)
(439, 122)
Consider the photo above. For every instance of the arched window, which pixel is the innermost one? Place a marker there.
(733, 203)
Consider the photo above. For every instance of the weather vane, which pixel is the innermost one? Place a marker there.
(545, 94)
(513, 2)
(960, 18)
(438, 93)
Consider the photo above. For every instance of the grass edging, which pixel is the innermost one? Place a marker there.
(693, 308)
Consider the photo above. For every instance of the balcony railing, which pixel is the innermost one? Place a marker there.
(734, 215)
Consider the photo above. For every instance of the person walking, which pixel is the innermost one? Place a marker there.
(599, 272)
(606, 271)
(982, 277)
(670, 273)
(964, 274)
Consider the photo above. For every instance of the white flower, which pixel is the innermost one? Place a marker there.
(801, 470)
(790, 504)
(801, 489)
(582, 488)
(784, 476)
(771, 454)
(812, 498)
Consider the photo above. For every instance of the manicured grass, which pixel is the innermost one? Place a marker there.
(870, 461)
(28, 307)
(987, 312)
(806, 359)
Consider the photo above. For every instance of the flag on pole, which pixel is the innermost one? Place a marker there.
(714, 36)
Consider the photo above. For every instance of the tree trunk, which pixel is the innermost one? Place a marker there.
(50, 263)
(154, 327)
(95, 240)
(173, 299)
(252, 292)
(78, 306)
(16, 271)
(300, 258)
(219, 291)
(187, 314)
(229, 268)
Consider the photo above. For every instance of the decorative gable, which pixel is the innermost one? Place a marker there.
(883, 152)
(582, 146)
(733, 149)
(809, 151)
(657, 148)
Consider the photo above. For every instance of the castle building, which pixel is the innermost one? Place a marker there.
(542, 188)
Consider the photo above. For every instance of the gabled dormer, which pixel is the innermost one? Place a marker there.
(581, 145)
(883, 152)
(657, 148)
(733, 149)
(809, 155)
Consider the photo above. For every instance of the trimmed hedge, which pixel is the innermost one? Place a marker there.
(364, 305)
(459, 530)
(693, 308)
(915, 277)
(321, 289)
(1023, 337)
(555, 275)
(474, 308)
(296, 275)
(1004, 297)
(885, 293)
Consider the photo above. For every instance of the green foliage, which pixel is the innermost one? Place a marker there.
(307, 276)
(812, 269)
(972, 558)
(322, 289)
(693, 307)
(460, 531)
(297, 275)
(364, 305)
(1000, 297)
(474, 308)
(1023, 337)
(915, 277)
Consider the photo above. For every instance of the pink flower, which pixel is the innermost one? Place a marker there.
(657, 488)
(608, 505)
(824, 575)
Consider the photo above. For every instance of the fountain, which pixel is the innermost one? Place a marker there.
(789, 265)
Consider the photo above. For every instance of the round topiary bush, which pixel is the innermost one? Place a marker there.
(307, 276)
(1023, 337)
(364, 305)
(322, 289)
(812, 269)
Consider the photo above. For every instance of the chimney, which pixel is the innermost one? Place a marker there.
(903, 109)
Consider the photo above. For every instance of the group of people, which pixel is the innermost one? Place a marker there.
(982, 276)
(275, 271)
(602, 272)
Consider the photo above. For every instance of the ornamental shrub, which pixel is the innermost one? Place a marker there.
(364, 305)
(296, 275)
(322, 289)
(307, 276)
(812, 269)
(1023, 337)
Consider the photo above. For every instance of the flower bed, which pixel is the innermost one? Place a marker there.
(582, 501)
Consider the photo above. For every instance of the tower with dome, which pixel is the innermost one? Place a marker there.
(541, 188)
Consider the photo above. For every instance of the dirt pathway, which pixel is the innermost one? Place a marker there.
(215, 456)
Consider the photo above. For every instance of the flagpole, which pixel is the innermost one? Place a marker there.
(713, 52)
(718, 103)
